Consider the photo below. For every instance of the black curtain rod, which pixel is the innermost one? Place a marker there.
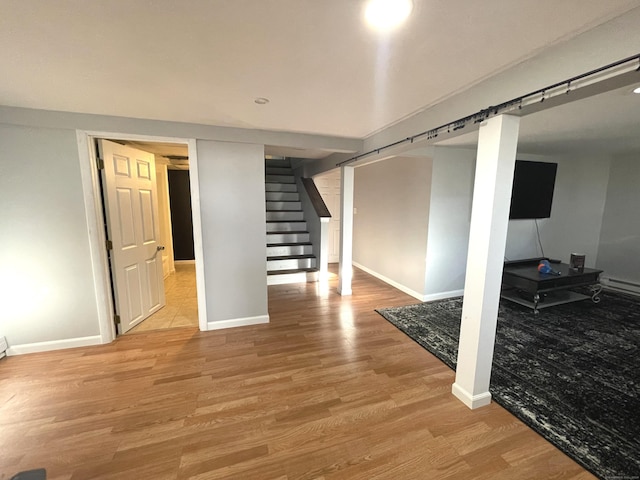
(482, 115)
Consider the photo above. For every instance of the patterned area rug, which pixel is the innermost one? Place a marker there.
(572, 373)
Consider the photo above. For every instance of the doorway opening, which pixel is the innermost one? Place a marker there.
(328, 184)
(178, 300)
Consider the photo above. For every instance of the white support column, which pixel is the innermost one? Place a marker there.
(324, 248)
(495, 162)
(346, 230)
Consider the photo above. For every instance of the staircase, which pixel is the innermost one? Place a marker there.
(290, 256)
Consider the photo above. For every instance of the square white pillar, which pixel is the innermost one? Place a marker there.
(495, 163)
(347, 176)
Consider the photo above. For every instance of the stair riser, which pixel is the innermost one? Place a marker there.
(275, 238)
(280, 179)
(282, 197)
(281, 251)
(285, 278)
(285, 216)
(277, 163)
(290, 264)
(278, 171)
(280, 187)
(284, 206)
(287, 227)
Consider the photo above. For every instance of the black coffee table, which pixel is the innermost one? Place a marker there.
(523, 284)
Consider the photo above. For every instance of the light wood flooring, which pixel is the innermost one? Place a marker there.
(327, 390)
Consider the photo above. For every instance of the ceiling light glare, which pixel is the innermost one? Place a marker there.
(385, 15)
(636, 90)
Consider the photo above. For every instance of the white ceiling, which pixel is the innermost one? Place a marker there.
(324, 71)
(608, 123)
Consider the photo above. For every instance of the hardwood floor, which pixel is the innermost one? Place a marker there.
(327, 390)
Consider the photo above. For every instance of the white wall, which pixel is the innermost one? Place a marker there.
(576, 213)
(619, 250)
(232, 203)
(391, 224)
(449, 221)
(46, 279)
(328, 185)
(164, 215)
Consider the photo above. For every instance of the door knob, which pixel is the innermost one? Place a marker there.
(159, 248)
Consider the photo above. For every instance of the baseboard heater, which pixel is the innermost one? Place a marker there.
(3, 347)
(621, 285)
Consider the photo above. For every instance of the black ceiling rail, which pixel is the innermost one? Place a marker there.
(493, 110)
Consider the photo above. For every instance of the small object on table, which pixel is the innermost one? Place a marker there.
(545, 267)
(576, 262)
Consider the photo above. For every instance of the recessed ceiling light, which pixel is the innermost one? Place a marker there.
(261, 101)
(385, 15)
(636, 90)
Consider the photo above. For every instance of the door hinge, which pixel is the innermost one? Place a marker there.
(116, 319)
(109, 245)
(100, 163)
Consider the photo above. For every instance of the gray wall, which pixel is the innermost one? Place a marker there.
(46, 279)
(232, 203)
(449, 220)
(619, 249)
(390, 227)
(576, 213)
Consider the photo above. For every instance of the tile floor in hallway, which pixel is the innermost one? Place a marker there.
(181, 309)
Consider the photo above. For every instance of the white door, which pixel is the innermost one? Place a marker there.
(329, 188)
(131, 204)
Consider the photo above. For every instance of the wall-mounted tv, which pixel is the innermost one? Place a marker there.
(533, 184)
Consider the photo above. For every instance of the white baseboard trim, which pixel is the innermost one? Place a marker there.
(423, 298)
(238, 322)
(624, 286)
(287, 278)
(54, 345)
(471, 401)
(393, 283)
(442, 295)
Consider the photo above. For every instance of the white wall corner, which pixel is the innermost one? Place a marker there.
(472, 401)
(238, 322)
(54, 345)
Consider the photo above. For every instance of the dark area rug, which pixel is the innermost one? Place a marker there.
(571, 373)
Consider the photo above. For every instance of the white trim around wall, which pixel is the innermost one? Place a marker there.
(238, 322)
(442, 295)
(198, 250)
(624, 286)
(407, 290)
(97, 237)
(393, 283)
(54, 345)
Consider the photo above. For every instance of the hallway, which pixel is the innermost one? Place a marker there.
(181, 309)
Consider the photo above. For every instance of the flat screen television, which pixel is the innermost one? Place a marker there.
(532, 194)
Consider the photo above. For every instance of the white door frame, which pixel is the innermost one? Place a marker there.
(96, 230)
